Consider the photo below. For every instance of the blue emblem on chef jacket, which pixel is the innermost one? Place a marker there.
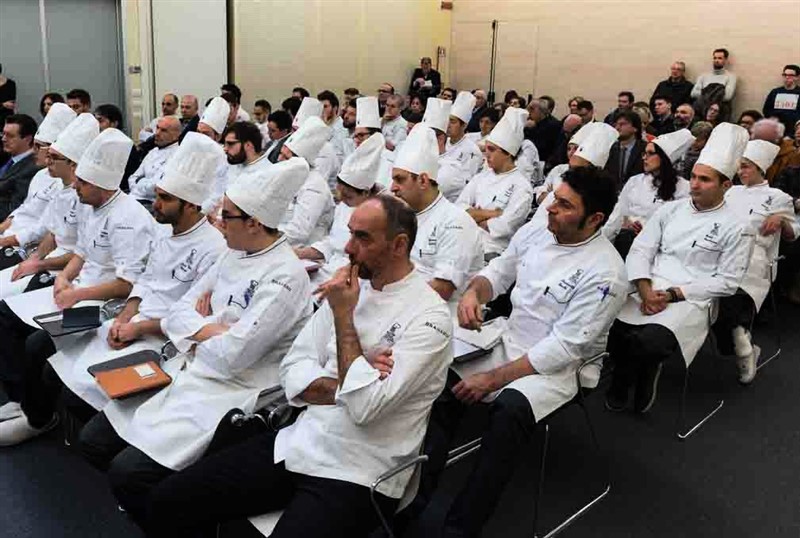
(767, 204)
(605, 291)
(569, 283)
(247, 296)
(183, 273)
(712, 235)
(389, 336)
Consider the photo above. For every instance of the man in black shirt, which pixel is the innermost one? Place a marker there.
(676, 87)
(425, 79)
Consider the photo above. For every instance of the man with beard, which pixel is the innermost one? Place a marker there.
(113, 241)
(242, 147)
(367, 368)
(349, 124)
(150, 172)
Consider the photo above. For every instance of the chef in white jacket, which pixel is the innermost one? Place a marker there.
(689, 253)
(394, 125)
(232, 329)
(453, 173)
(594, 145)
(367, 368)
(459, 146)
(646, 192)
(310, 214)
(212, 124)
(770, 217)
(570, 285)
(553, 179)
(179, 256)
(448, 250)
(59, 219)
(144, 179)
(356, 183)
(113, 242)
(326, 160)
(499, 198)
(23, 225)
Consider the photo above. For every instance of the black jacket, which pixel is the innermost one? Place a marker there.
(274, 149)
(435, 78)
(474, 124)
(546, 136)
(14, 184)
(679, 91)
(634, 165)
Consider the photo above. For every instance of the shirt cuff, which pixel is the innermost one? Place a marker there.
(298, 378)
(548, 356)
(360, 374)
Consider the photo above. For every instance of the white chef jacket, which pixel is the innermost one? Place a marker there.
(755, 204)
(638, 201)
(266, 298)
(221, 179)
(551, 182)
(339, 135)
(528, 161)
(228, 174)
(174, 264)
(113, 241)
(565, 299)
(143, 181)
(374, 424)
(384, 180)
(310, 213)
(328, 164)
(396, 130)
(448, 246)
(704, 253)
(510, 192)
(26, 219)
(242, 115)
(457, 165)
(332, 246)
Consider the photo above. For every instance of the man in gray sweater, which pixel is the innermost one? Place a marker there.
(719, 75)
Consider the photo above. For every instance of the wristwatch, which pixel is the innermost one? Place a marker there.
(673, 295)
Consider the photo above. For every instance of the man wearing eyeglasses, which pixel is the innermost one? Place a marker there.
(425, 80)
(16, 174)
(783, 102)
(232, 328)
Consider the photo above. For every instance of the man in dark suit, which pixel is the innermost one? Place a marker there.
(474, 125)
(17, 172)
(425, 80)
(545, 131)
(625, 158)
(279, 125)
(189, 115)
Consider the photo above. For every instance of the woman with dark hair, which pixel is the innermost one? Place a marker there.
(646, 192)
(416, 105)
(47, 101)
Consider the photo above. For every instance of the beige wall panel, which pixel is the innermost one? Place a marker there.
(332, 44)
(597, 49)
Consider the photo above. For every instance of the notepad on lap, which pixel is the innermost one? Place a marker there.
(130, 375)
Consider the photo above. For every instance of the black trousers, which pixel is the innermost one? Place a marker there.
(24, 360)
(243, 481)
(634, 347)
(131, 473)
(511, 428)
(624, 241)
(734, 311)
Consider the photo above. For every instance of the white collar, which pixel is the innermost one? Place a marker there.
(573, 245)
(203, 220)
(431, 206)
(280, 241)
(109, 202)
(691, 204)
(397, 285)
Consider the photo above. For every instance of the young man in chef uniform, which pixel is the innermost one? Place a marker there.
(113, 242)
(179, 256)
(570, 285)
(689, 253)
(448, 248)
(499, 198)
(60, 218)
(770, 217)
(366, 367)
(232, 328)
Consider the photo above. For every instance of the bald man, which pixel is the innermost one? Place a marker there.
(569, 127)
(143, 181)
(189, 115)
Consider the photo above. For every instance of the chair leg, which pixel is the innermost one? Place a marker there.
(682, 433)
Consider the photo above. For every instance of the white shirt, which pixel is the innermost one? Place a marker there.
(528, 161)
(26, 220)
(310, 213)
(143, 180)
(220, 184)
(113, 240)
(61, 217)
(242, 115)
(565, 299)
(374, 424)
(551, 182)
(754, 204)
(457, 165)
(328, 164)
(338, 137)
(511, 192)
(448, 245)
(638, 201)
(395, 131)
(332, 246)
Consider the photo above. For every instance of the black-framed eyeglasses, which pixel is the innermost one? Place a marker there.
(649, 153)
(54, 158)
(226, 216)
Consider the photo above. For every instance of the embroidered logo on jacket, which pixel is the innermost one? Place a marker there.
(389, 336)
(569, 283)
(183, 273)
(247, 296)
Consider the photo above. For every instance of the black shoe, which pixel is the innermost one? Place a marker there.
(646, 387)
(616, 398)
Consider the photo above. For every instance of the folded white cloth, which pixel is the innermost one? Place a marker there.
(488, 337)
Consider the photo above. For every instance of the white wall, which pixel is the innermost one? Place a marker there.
(190, 44)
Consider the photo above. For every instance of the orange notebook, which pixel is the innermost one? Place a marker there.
(130, 380)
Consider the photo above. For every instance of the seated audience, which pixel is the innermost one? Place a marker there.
(17, 172)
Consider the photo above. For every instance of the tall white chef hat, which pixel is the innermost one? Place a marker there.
(761, 153)
(57, 119)
(437, 113)
(463, 106)
(420, 152)
(675, 144)
(268, 194)
(581, 134)
(597, 144)
(76, 137)
(367, 114)
(192, 169)
(307, 141)
(508, 133)
(103, 162)
(724, 148)
(360, 168)
(216, 114)
(309, 108)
